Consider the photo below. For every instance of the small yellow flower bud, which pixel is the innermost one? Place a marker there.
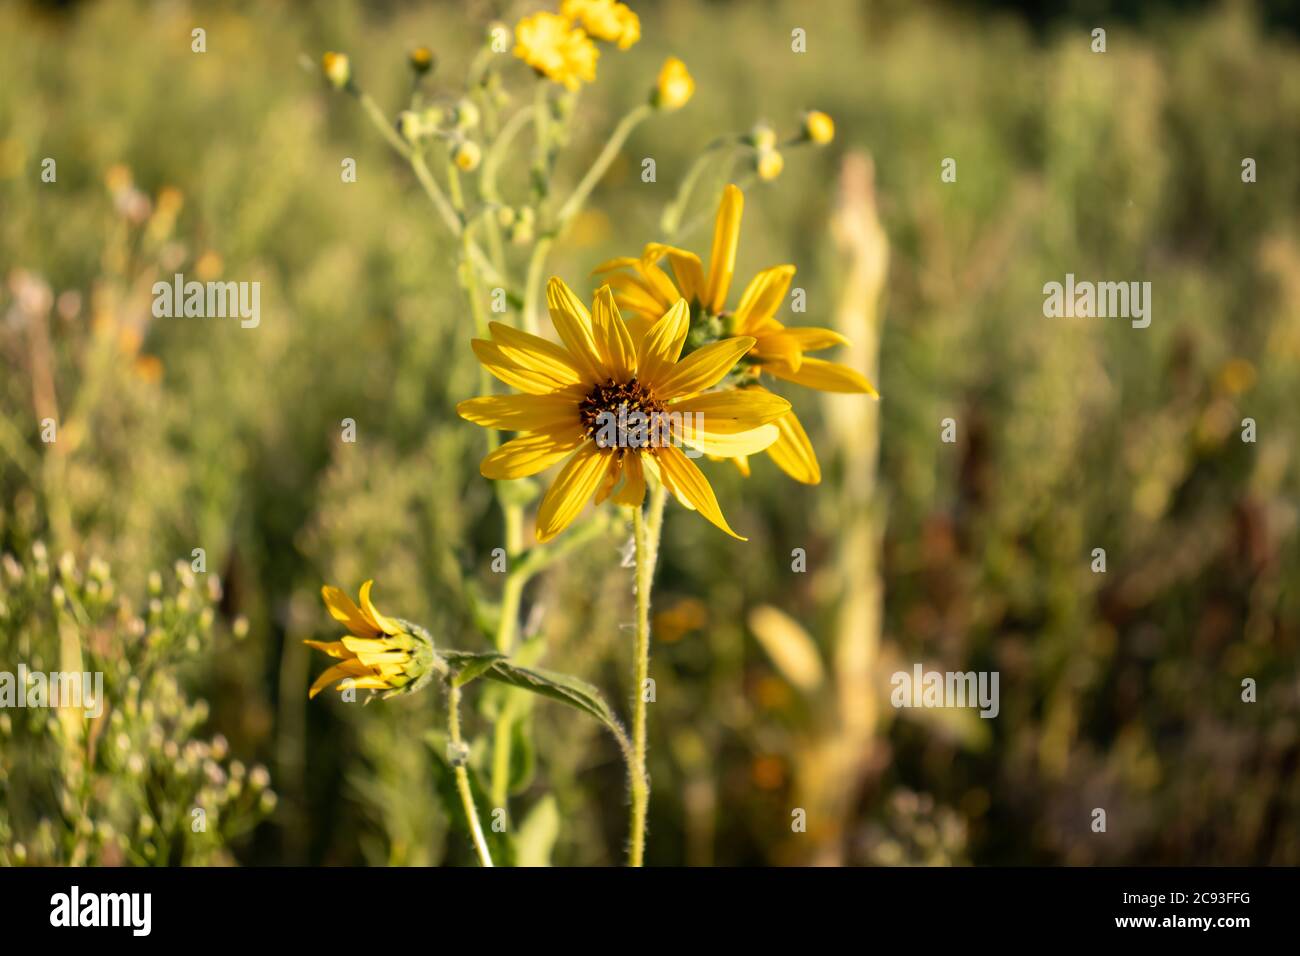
(675, 86)
(818, 127)
(337, 69)
(421, 59)
(770, 164)
(466, 155)
(466, 115)
(505, 217)
(763, 137)
(410, 126)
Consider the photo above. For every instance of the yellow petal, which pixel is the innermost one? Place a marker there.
(687, 268)
(529, 454)
(793, 452)
(523, 413)
(762, 297)
(633, 490)
(384, 624)
(613, 471)
(826, 377)
(573, 322)
(742, 464)
(703, 368)
(535, 353)
(362, 645)
(663, 343)
(384, 658)
(613, 341)
(688, 483)
(726, 413)
(633, 297)
(779, 350)
(332, 648)
(722, 258)
(346, 613)
(814, 339)
(353, 668)
(576, 482)
(491, 356)
(738, 445)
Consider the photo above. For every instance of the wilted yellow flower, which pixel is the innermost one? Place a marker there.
(556, 49)
(337, 69)
(818, 127)
(605, 20)
(382, 653)
(769, 165)
(642, 289)
(618, 403)
(466, 155)
(675, 86)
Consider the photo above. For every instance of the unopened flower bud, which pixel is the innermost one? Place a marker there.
(466, 155)
(421, 60)
(337, 69)
(818, 127)
(769, 166)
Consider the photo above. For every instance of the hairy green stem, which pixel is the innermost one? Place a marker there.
(459, 753)
(640, 779)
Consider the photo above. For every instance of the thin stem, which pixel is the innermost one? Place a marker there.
(459, 750)
(640, 782)
(533, 283)
(599, 167)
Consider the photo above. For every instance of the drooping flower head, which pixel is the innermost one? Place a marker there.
(555, 48)
(620, 403)
(380, 653)
(642, 287)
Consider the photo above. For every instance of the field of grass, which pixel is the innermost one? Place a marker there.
(772, 658)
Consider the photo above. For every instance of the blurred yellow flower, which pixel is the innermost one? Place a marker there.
(605, 20)
(643, 290)
(583, 400)
(382, 653)
(421, 59)
(675, 86)
(769, 165)
(556, 49)
(466, 155)
(818, 127)
(337, 69)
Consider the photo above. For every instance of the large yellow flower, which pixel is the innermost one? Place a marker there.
(619, 403)
(382, 653)
(606, 20)
(555, 48)
(642, 288)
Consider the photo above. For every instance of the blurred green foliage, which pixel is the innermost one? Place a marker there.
(1120, 690)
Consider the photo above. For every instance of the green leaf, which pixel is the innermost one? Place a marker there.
(538, 833)
(564, 688)
(467, 666)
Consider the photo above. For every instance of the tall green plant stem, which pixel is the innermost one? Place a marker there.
(458, 757)
(646, 542)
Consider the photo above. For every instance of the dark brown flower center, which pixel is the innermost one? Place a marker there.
(620, 415)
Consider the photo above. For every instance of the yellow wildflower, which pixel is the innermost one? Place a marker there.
(818, 127)
(675, 86)
(643, 289)
(617, 403)
(381, 653)
(769, 164)
(605, 20)
(337, 69)
(466, 155)
(556, 49)
(421, 59)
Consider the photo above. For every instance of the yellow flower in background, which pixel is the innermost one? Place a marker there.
(581, 400)
(605, 20)
(382, 653)
(556, 49)
(675, 86)
(337, 69)
(643, 289)
(818, 127)
(769, 165)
